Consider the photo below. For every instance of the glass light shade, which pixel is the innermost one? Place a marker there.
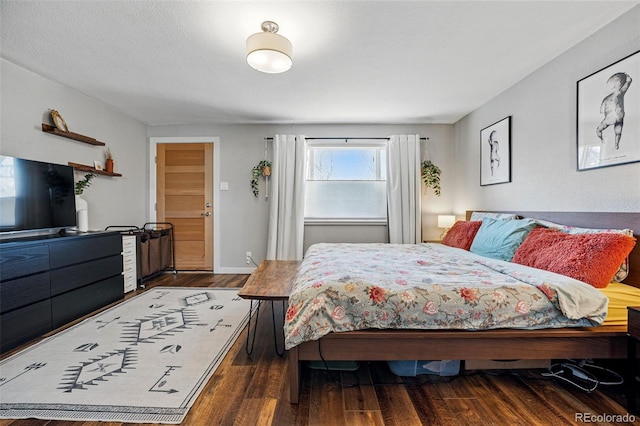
(446, 220)
(269, 52)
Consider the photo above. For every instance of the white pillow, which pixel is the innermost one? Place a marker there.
(499, 216)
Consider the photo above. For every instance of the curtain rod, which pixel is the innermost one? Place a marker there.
(346, 138)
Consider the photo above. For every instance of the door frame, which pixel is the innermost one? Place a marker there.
(151, 208)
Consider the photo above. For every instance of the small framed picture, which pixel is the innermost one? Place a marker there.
(97, 165)
(495, 153)
(608, 115)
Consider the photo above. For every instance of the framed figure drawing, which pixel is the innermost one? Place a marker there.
(495, 153)
(608, 115)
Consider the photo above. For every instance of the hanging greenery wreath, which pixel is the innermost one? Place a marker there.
(262, 168)
(431, 176)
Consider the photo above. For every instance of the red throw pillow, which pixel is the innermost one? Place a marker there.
(591, 258)
(461, 234)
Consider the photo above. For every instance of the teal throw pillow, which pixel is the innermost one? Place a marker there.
(499, 239)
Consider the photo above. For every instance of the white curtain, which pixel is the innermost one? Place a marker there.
(286, 207)
(403, 189)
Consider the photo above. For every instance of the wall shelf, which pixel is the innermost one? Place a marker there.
(85, 168)
(70, 135)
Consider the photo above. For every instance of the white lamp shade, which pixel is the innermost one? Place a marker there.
(446, 220)
(269, 52)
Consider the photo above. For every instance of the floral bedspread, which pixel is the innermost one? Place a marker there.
(345, 287)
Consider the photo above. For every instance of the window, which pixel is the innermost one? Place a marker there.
(346, 182)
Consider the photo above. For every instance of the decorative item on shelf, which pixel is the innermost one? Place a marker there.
(108, 163)
(82, 207)
(58, 121)
(262, 168)
(97, 165)
(445, 221)
(431, 176)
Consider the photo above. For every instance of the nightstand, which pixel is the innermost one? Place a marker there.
(633, 330)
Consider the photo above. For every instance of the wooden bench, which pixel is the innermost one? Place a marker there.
(271, 281)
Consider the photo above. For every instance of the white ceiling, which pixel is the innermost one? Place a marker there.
(168, 62)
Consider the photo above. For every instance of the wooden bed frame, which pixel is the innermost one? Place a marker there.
(602, 342)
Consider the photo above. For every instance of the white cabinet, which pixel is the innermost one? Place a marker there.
(129, 263)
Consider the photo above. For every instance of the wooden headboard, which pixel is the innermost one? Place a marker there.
(594, 220)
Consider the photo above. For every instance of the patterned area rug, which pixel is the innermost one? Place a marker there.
(144, 360)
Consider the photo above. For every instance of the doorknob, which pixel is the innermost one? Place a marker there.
(208, 205)
(205, 214)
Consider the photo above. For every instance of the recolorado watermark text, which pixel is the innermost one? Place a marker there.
(604, 418)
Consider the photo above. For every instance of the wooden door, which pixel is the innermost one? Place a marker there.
(185, 198)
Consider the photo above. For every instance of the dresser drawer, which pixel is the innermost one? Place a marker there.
(74, 304)
(21, 325)
(81, 250)
(129, 265)
(23, 291)
(76, 276)
(129, 252)
(24, 260)
(130, 282)
(129, 241)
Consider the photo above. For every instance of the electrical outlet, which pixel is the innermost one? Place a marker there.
(248, 257)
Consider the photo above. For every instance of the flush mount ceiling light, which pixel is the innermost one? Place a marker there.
(269, 52)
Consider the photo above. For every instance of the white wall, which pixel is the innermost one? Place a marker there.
(244, 218)
(543, 110)
(26, 100)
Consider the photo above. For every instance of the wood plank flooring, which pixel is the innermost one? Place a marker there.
(254, 390)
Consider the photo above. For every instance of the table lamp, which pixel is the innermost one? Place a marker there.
(445, 221)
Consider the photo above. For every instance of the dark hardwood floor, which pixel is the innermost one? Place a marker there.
(254, 390)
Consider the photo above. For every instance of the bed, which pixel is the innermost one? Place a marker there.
(576, 341)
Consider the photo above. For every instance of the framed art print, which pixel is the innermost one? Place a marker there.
(495, 153)
(608, 115)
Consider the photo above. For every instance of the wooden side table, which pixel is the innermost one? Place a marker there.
(633, 330)
(271, 281)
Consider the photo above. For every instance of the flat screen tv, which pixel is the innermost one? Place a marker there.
(35, 195)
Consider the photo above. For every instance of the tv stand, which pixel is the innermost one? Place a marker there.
(48, 282)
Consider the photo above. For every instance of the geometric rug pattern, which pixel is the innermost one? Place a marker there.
(144, 360)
